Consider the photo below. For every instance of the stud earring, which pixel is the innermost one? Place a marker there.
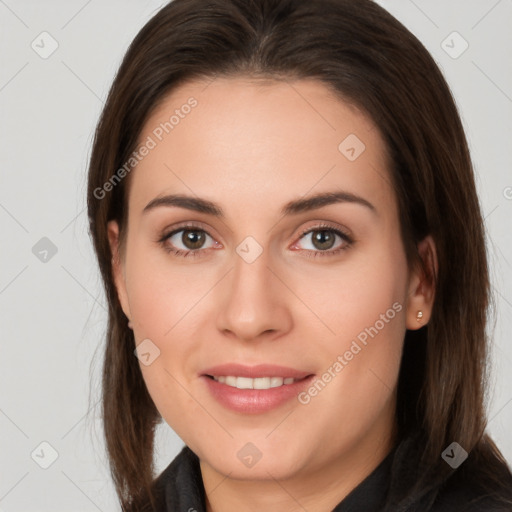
(419, 315)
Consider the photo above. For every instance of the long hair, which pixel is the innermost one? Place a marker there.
(369, 59)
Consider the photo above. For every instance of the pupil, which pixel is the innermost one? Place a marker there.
(323, 239)
(192, 239)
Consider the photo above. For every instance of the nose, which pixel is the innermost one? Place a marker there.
(254, 302)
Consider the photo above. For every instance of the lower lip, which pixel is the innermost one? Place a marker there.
(254, 401)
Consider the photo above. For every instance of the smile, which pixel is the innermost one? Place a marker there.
(256, 383)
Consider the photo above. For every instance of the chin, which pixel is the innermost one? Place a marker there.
(249, 464)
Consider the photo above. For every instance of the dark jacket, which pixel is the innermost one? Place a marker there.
(180, 488)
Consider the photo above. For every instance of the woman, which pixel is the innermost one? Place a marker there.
(283, 208)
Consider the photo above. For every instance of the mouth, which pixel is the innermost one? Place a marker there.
(255, 389)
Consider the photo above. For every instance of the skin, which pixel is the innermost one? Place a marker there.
(251, 147)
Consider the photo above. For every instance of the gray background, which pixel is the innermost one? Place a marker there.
(52, 307)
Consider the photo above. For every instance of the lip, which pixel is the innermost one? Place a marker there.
(255, 401)
(253, 372)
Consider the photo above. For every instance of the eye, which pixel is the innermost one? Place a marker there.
(324, 240)
(190, 241)
(187, 240)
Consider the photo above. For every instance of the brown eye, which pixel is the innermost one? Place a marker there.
(323, 239)
(189, 240)
(193, 238)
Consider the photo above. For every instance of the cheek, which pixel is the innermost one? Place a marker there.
(365, 292)
(162, 295)
(170, 394)
(363, 306)
(165, 308)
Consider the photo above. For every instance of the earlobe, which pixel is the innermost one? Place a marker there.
(422, 286)
(117, 266)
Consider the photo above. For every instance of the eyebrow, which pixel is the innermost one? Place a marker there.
(291, 208)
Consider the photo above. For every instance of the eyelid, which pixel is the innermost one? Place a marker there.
(321, 225)
(191, 225)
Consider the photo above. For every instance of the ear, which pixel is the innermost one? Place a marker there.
(422, 286)
(118, 266)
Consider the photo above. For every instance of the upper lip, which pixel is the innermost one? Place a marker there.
(260, 370)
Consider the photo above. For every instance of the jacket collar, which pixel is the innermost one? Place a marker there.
(183, 488)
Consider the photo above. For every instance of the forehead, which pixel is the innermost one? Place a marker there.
(255, 143)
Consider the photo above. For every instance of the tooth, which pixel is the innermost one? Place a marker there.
(262, 383)
(276, 382)
(244, 383)
(257, 383)
(231, 381)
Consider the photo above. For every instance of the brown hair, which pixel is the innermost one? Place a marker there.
(368, 58)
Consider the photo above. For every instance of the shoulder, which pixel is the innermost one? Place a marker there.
(482, 483)
(471, 488)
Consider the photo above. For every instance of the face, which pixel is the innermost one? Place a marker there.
(263, 251)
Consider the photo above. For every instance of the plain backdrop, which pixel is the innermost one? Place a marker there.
(52, 307)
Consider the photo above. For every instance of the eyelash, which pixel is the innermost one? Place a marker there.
(324, 227)
(310, 254)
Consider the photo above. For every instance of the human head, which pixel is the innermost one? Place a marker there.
(372, 62)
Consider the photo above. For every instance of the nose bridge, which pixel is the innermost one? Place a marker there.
(252, 302)
(250, 275)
